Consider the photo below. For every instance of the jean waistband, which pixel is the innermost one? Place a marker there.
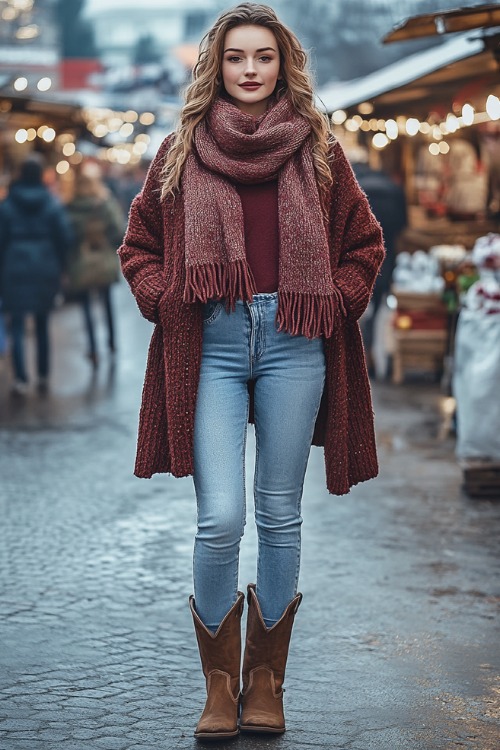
(261, 297)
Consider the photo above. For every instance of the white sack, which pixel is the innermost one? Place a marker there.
(476, 385)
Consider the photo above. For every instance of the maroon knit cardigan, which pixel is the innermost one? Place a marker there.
(152, 258)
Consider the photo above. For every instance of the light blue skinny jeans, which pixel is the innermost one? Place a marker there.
(289, 374)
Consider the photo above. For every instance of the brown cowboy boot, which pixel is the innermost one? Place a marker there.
(220, 655)
(264, 663)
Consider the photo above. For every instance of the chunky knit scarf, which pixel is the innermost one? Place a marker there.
(232, 146)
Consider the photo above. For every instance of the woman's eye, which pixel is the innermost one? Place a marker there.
(234, 58)
(265, 58)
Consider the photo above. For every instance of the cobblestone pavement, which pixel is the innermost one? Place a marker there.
(395, 645)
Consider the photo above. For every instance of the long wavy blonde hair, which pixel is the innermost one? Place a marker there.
(207, 85)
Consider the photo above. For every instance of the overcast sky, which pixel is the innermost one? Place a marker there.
(125, 4)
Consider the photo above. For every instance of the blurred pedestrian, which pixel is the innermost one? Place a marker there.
(253, 249)
(130, 184)
(35, 238)
(99, 224)
(388, 203)
(3, 338)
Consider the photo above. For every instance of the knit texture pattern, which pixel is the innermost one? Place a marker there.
(154, 263)
(232, 146)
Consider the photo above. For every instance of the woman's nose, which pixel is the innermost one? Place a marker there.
(250, 68)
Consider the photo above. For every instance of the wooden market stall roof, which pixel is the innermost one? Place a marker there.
(24, 110)
(452, 72)
(437, 76)
(482, 16)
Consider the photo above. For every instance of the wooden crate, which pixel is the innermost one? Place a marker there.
(419, 301)
(418, 350)
(481, 478)
(423, 232)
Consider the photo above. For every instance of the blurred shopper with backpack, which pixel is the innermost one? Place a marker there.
(99, 225)
(35, 238)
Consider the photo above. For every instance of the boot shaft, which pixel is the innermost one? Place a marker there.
(220, 650)
(268, 647)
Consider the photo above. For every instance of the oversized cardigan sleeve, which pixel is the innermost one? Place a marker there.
(141, 254)
(357, 236)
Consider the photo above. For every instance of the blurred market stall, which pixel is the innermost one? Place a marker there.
(432, 121)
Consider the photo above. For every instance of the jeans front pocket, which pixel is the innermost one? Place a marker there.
(211, 311)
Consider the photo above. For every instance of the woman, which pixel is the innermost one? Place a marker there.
(98, 222)
(35, 238)
(254, 251)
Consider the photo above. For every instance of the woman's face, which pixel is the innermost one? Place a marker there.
(250, 67)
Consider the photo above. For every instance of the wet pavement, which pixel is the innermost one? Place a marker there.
(396, 644)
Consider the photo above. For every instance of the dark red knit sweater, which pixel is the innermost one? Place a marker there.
(153, 262)
(262, 240)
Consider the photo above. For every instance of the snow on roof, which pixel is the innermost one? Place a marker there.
(340, 95)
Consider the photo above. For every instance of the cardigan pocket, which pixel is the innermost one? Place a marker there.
(148, 293)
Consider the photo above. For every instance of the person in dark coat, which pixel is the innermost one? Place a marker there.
(98, 224)
(388, 203)
(35, 237)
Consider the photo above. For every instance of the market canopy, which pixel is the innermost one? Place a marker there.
(41, 109)
(446, 22)
(445, 73)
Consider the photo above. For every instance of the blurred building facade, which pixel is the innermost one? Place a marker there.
(119, 25)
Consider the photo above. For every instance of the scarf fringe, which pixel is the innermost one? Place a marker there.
(299, 313)
(228, 281)
(307, 314)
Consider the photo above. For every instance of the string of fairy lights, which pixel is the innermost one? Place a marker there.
(127, 147)
(434, 127)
